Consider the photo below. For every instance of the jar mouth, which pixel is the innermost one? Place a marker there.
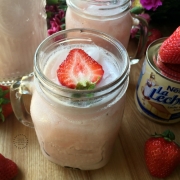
(103, 9)
(62, 38)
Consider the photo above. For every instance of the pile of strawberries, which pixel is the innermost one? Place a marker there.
(168, 59)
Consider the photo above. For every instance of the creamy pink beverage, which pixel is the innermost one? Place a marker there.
(75, 128)
(108, 18)
(112, 17)
(74, 134)
(22, 27)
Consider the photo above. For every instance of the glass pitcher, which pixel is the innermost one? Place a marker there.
(110, 16)
(75, 128)
(22, 28)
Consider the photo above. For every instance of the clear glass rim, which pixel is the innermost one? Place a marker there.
(121, 79)
(115, 4)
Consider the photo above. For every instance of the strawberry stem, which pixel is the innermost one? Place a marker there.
(85, 85)
(167, 135)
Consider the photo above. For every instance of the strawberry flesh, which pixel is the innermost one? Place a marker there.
(8, 168)
(79, 71)
(170, 48)
(168, 58)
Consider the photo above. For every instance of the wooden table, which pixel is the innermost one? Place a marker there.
(20, 144)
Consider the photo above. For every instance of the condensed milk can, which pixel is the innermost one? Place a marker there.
(157, 96)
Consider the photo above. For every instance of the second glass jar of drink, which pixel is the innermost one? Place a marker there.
(112, 17)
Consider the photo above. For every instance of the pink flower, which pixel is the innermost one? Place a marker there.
(55, 27)
(151, 4)
(134, 31)
(56, 22)
(51, 8)
(145, 16)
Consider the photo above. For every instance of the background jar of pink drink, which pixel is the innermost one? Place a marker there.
(111, 17)
(22, 27)
(75, 128)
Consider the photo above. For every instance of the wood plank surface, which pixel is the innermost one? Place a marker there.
(20, 144)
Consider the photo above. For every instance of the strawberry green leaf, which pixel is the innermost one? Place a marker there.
(1, 114)
(85, 85)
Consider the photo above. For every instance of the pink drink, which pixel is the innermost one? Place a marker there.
(75, 128)
(78, 135)
(22, 28)
(116, 22)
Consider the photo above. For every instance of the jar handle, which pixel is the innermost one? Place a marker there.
(19, 88)
(142, 23)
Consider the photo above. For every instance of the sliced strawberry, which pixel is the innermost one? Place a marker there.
(170, 48)
(79, 71)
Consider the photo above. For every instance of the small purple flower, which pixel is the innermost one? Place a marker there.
(134, 31)
(56, 19)
(151, 4)
(51, 8)
(55, 27)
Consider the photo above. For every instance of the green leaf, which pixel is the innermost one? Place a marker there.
(54, 2)
(63, 26)
(169, 134)
(85, 85)
(1, 114)
(2, 117)
(137, 10)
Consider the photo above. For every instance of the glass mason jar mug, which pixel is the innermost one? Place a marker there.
(75, 128)
(110, 16)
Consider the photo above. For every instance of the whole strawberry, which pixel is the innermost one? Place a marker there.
(153, 35)
(5, 104)
(168, 59)
(8, 169)
(169, 51)
(162, 154)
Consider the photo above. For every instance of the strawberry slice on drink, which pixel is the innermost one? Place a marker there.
(79, 71)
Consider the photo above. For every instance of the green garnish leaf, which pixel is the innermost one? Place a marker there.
(85, 85)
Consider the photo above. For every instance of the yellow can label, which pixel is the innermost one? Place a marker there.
(157, 96)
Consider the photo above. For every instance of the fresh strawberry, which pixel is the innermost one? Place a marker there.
(79, 71)
(162, 154)
(170, 48)
(169, 70)
(8, 168)
(153, 35)
(5, 104)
